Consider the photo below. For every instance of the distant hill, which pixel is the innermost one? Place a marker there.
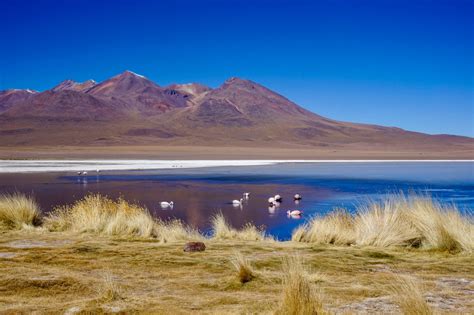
(129, 109)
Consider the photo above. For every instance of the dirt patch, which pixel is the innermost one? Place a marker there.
(8, 255)
(36, 244)
(377, 305)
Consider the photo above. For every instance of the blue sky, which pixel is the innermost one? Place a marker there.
(406, 63)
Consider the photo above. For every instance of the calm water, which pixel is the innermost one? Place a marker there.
(200, 193)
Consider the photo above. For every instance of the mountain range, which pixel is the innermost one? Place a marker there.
(129, 109)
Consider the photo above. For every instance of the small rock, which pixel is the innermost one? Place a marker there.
(194, 247)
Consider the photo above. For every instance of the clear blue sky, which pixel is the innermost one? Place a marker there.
(406, 63)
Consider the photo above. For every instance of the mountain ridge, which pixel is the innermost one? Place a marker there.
(129, 109)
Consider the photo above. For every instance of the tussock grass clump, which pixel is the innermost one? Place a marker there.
(109, 290)
(416, 221)
(101, 215)
(299, 297)
(335, 228)
(18, 211)
(174, 231)
(441, 228)
(243, 267)
(408, 295)
(386, 224)
(223, 231)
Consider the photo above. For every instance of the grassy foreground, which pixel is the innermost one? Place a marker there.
(106, 256)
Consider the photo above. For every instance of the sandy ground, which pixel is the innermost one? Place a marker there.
(222, 153)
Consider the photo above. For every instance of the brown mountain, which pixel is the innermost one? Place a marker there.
(65, 104)
(11, 97)
(129, 109)
(74, 86)
(136, 93)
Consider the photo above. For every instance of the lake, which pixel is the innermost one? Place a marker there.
(198, 193)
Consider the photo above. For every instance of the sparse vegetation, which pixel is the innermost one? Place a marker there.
(243, 268)
(18, 211)
(415, 221)
(409, 297)
(336, 228)
(65, 271)
(109, 290)
(299, 297)
(101, 215)
(221, 230)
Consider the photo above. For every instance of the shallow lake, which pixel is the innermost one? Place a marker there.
(201, 192)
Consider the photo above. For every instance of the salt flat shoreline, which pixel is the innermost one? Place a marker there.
(39, 166)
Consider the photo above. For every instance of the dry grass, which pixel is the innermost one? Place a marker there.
(409, 297)
(101, 215)
(221, 230)
(335, 228)
(65, 271)
(18, 211)
(176, 231)
(416, 221)
(299, 297)
(442, 228)
(386, 224)
(245, 272)
(109, 290)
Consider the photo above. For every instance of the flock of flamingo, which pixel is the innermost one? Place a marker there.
(273, 203)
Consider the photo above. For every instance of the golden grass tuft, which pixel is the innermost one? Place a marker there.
(408, 296)
(299, 297)
(223, 231)
(18, 211)
(101, 215)
(335, 228)
(417, 221)
(385, 224)
(175, 231)
(243, 267)
(109, 290)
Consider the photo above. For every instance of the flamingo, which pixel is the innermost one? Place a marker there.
(271, 201)
(277, 198)
(165, 204)
(246, 195)
(297, 197)
(237, 203)
(294, 213)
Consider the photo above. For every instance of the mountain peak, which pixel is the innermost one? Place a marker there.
(236, 80)
(239, 83)
(128, 73)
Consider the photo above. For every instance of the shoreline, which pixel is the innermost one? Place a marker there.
(50, 165)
